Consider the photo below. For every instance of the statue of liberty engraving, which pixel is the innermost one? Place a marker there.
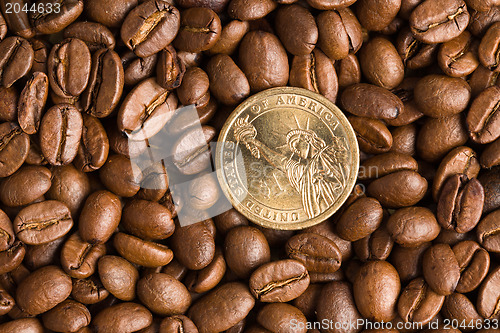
(317, 171)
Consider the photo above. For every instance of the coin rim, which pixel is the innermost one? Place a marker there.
(353, 144)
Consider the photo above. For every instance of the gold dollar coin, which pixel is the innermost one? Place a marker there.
(287, 158)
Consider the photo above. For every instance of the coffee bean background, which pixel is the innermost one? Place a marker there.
(90, 240)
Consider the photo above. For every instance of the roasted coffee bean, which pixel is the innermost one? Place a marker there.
(12, 258)
(177, 323)
(491, 155)
(488, 49)
(150, 27)
(227, 82)
(459, 160)
(376, 246)
(200, 28)
(105, 84)
(408, 260)
(438, 21)
(170, 69)
(68, 316)
(109, 12)
(137, 69)
(15, 61)
(194, 245)
(339, 33)
(222, 308)
(376, 289)
(315, 72)
(43, 255)
(32, 101)
(460, 204)
(489, 294)
(384, 164)
(474, 263)
(376, 15)
(279, 281)
(458, 57)
(100, 217)
(348, 71)
(94, 145)
(121, 175)
(483, 120)
(488, 232)
(418, 303)
(88, 291)
(404, 139)
(60, 133)
(277, 315)
(207, 278)
(7, 302)
(118, 276)
(124, 317)
(6, 232)
(145, 110)
(366, 100)
(451, 132)
(250, 10)
(373, 135)
(147, 220)
(453, 97)
(53, 22)
(25, 185)
(95, 35)
(69, 67)
(413, 226)
(141, 252)
(299, 36)
(458, 307)
(231, 35)
(191, 153)
(381, 64)
(441, 269)
(43, 222)
(317, 253)
(398, 189)
(43, 289)
(18, 22)
(414, 53)
(360, 219)
(79, 258)
(8, 103)
(263, 59)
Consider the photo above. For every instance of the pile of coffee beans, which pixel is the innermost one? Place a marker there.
(90, 240)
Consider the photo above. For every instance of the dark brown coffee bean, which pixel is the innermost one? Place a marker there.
(299, 36)
(328, 230)
(360, 219)
(380, 63)
(339, 33)
(413, 226)
(191, 153)
(373, 135)
(15, 61)
(250, 10)
(25, 185)
(207, 278)
(366, 100)
(145, 110)
(274, 317)
(240, 259)
(474, 263)
(488, 49)
(68, 316)
(60, 133)
(418, 303)
(408, 260)
(43, 222)
(488, 231)
(69, 67)
(222, 308)
(194, 245)
(376, 289)
(105, 84)
(348, 71)
(141, 252)
(118, 276)
(460, 204)
(95, 35)
(7, 236)
(109, 12)
(11, 258)
(18, 22)
(438, 21)
(459, 308)
(459, 160)
(381, 165)
(414, 53)
(308, 301)
(491, 155)
(137, 69)
(163, 294)
(28, 325)
(121, 176)
(120, 144)
(177, 323)
(228, 220)
(147, 220)
(125, 317)
(32, 101)
(279, 281)
(150, 27)
(315, 72)
(230, 37)
(376, 246)
(8, 103)
(170, 69)
(316, 252)
(441, 270)
(199, 31)
(43, 289)
(376, 15)
(79, 258)
(88, 291)
(491, 183)
(483, 120)
(481, 79)
(227, 82)
(458, 57)
(263, 59)
(489, 294)
(94, 145)
(43, 255)
(7, 302)
(100, 217)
